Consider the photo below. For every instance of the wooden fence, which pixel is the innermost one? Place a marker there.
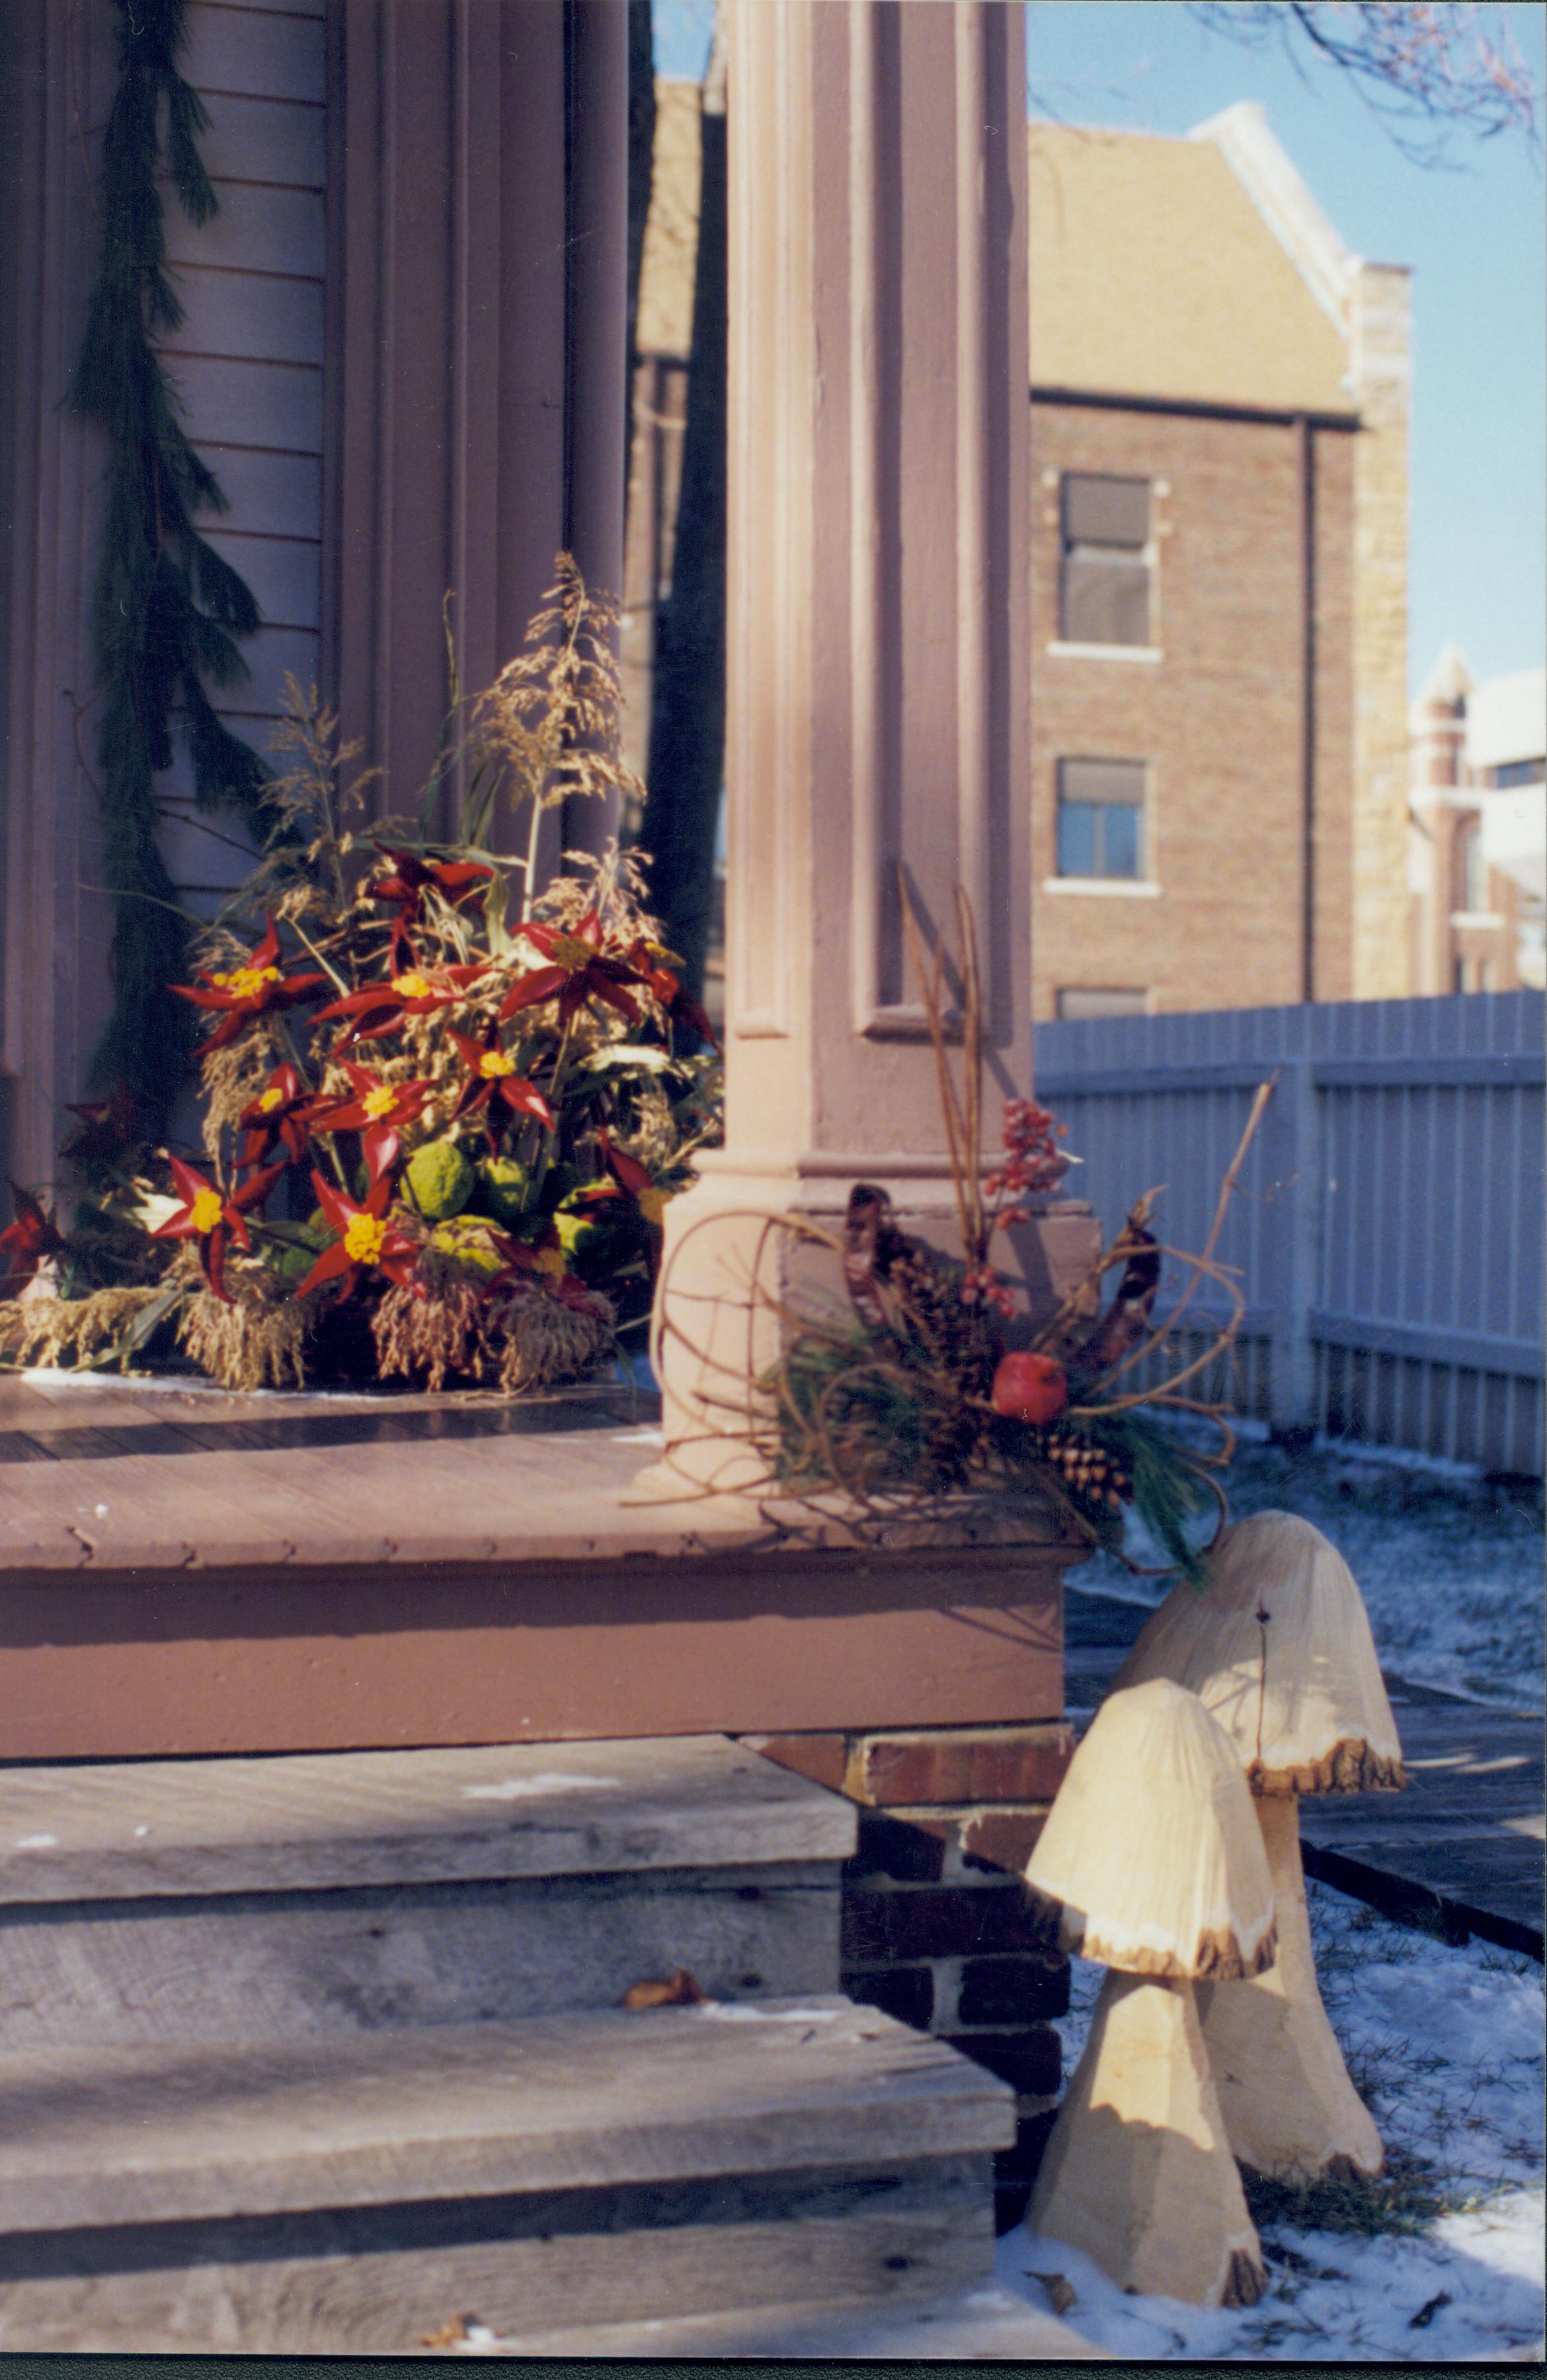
(1388, 1232)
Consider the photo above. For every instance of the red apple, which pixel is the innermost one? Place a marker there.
(1030, 1388)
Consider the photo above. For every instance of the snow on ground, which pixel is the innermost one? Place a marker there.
(1446, 2046)
(1450, 1564)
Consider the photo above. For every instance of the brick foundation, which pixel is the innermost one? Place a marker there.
(937, 1928)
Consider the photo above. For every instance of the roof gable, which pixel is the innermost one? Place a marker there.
(1154, 274)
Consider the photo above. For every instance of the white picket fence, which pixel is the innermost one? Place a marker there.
(1388, 1232)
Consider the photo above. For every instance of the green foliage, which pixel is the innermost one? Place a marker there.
(166, 609)
(1170, 1494)
(439, 1179)
(502, 1186)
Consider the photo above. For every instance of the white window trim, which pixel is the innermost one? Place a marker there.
(1129, 888)
(1478, 917)
(1061, 651)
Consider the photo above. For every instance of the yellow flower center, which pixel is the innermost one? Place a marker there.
(363, 1239)
(380, 1102)
(412, 986)
(653, 1204)
(204, 1213)
(550, 1260)
(270, 1100)
(569, 950)
(493, 1064)
(246, 982)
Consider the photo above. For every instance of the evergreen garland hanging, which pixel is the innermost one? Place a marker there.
(165, 609)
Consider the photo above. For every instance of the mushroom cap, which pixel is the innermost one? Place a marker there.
(1299, 1692)
(1152, 1850)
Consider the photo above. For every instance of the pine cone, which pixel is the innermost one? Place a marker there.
(1089, 1473)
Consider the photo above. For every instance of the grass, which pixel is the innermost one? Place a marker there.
(1405, 2198)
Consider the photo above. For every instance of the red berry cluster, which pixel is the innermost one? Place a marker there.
(982, 1286)
(1034, 1164)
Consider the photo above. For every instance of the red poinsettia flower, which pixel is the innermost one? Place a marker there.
(405, 885)
(490, 1075)
(213, 1219)
(376, 1112)
(578, 969)
(630, 1188)
(379, 1008)
(24, 1243)
(666, 986)
(634, 1182)
(279, 1112)
(247, 990)
(365, 1239)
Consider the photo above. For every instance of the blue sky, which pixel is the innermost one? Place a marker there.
(1476, 238)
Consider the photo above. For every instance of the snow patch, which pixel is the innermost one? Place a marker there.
(1446, 2044)
(548, 1780)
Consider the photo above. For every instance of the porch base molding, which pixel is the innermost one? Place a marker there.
(120, 1666)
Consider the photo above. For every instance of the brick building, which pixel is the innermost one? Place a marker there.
(1219, 565)
(1219, 593)
(1477, 853)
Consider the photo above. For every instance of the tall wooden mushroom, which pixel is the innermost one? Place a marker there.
(1278, 1649)
(1155, 1865)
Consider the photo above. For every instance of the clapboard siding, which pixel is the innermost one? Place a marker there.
(271, 141)
(252, 317)
(264, 488)
(276, 406)
(282, 572)
(247, 363)
(255, 53)
(259, 229)
(269, 655)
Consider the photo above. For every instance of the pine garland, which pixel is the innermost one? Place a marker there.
(166, 609)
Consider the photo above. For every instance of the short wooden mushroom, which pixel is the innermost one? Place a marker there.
(1153, 1861)
(1278, 1649)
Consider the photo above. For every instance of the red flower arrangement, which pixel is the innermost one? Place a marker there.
(214, 1218)
(254, 988)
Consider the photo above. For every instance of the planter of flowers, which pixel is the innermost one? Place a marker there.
(442, 1105)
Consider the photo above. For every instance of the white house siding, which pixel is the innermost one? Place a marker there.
(248, 363)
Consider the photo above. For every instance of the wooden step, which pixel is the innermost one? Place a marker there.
(976, 2325)
(623, 2168)
(226, 1900)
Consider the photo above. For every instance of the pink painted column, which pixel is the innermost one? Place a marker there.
(878, 673)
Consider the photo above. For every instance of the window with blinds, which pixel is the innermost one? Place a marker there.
(1100, 818)
(1104, 592)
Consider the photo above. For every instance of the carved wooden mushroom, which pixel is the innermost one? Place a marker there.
(1153, 1860)
(1278, 1649)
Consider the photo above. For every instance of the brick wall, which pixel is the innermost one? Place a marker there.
(1380, 325)
(1217, 717)
(937, 1928)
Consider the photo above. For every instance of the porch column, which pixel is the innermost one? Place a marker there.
(878, 662)
(58, 69)
(478, 222)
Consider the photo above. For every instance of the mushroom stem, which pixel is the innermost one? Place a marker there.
(1290, 2108)
(1138, 2171)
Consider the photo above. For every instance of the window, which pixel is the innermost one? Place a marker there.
(1104, 588)
(1075, 1004)
(1100, 818)
(1519, 772)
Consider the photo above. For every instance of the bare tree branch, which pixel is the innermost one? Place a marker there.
(1426, 70)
